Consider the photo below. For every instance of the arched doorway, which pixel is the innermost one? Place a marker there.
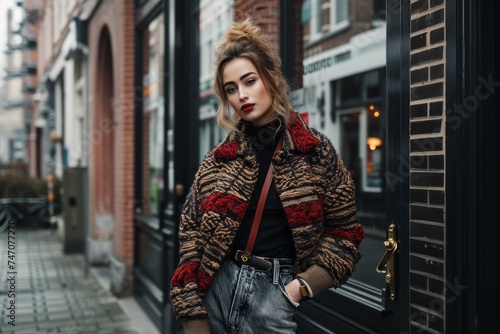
(103, 153)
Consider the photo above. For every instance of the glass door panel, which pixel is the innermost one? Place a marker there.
(361, 145)
(153, 119)
(363, 160)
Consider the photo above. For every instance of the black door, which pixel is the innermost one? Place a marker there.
(372, 129)
(181, 160)
(151, 163)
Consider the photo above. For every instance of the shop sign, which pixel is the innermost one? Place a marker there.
(326, 62)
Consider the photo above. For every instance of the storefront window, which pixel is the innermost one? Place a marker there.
(359, 104)
(215, 17)
(153, 118)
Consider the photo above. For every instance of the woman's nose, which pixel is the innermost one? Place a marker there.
(243, 94)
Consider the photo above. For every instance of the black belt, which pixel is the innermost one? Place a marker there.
(258, 262)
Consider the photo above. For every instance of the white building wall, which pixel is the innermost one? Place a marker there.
(71, 120)
(58, 91)
(72, 104)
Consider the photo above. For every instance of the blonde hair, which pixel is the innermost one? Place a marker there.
(244, 39)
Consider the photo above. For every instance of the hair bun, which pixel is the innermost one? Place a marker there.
(243, 31)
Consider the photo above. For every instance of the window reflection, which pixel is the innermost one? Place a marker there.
(359, 104)
(215, 17)
(344, 69)
(153, 118)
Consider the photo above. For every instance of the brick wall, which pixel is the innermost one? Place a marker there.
(265, 13)
(116, 16)
(427, 174)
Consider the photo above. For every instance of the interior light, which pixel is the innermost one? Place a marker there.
(371, 107)
(376, 114)
(373, 142)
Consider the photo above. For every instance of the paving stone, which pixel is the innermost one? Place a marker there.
(53, 324)
(110, 325)
(18, 327)
(57, 308)
(119, 317)
(58, 316)
(85, 325)
(42, 317)
(7, 331)
(25, 331)
(24, 319)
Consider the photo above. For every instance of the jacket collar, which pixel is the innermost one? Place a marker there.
(297, 137)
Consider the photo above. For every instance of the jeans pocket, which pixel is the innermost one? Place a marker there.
(286, 278)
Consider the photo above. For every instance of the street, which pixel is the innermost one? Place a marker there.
(44, 291)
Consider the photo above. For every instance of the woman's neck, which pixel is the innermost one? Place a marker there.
(265, 136)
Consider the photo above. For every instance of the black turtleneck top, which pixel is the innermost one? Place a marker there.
(274, 238)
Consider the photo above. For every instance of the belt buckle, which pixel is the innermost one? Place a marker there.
(242, 256)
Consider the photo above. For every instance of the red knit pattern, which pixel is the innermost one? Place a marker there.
(227, 151)
(304, 141)
(185, 274)
(223, 204)
(354, 235)
(204, 280)
(305, 213)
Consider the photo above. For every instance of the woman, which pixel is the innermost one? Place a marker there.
(307, 234)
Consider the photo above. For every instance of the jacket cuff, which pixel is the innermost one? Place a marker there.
(187, 304)
(196, 326)
(318, 278)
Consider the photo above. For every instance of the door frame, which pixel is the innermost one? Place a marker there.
(398, 134)
(147, 228)
(472, 244)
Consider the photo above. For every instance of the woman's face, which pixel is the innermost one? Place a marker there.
(246, 92)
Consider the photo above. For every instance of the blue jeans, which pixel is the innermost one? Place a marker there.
(245, 300)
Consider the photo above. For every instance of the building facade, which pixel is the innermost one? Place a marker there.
(402, 90)
(18, 83)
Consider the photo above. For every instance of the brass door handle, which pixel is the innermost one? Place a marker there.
(387, 264)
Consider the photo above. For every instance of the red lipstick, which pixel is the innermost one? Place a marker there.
(247, 107)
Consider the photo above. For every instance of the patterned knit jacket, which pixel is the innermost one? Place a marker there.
(315, 189)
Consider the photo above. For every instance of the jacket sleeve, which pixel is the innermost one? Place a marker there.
(338, 250)
(186, 302)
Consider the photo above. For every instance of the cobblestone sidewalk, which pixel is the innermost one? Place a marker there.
(49, 291)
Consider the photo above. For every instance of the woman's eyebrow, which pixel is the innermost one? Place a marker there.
(241, 78)
(246, 75)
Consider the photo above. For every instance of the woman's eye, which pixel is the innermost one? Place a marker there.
(250, 82)
(230, 90)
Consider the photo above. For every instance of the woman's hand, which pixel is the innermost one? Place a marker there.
(293, 290)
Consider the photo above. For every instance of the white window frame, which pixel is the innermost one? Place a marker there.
(316, 30)
(334, 25)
